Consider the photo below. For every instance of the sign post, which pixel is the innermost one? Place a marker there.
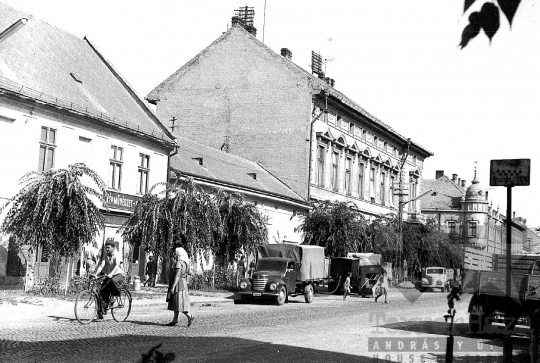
(509, 173)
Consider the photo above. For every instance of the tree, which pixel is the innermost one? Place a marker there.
(487, 19)
(339, 227)
(242, 225)
(185, 210)
(55, 209)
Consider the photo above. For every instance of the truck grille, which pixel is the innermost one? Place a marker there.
(259, 284)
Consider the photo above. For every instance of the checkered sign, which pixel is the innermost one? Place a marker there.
(510, 172)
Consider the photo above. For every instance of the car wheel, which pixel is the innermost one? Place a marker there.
(308, 293)
(282, 297)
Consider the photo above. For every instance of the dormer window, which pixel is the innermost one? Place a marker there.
(199, 160)
(253, 175)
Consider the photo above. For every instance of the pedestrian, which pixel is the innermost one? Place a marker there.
(382, 287)
(151, 271)
(177, 294)
(242, 267)
(251, 268)
(347, 285)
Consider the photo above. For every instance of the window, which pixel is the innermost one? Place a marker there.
(321, 152)
(394, 151)
(339, 120)
(47, 146)
(472, 229)
(144, 171)
(348, 164)
(383, 188)
(451, 227)
(385, 147)
(351, 128)
(335, 160)
(413, 190)
(393, 195)
(115, 176)
(361, 180)
(364, 135)
(372, 180)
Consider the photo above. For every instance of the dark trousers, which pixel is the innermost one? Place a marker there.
(111, 287)
(151, 280)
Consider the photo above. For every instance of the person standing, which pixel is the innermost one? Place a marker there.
(151, 271)
(177, 294)
(111, 266)
(383, 287)
(347, 286)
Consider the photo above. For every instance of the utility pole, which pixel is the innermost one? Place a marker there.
(401, 193)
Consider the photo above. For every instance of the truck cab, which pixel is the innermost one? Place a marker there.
(435, 278)
(274, 277)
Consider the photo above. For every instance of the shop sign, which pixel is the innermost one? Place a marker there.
(122, 201)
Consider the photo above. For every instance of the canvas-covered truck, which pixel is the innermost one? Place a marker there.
(284, 270)
(364, 267)
(489, 310)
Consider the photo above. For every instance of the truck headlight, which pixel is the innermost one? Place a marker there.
(243, 285)
(273, 286)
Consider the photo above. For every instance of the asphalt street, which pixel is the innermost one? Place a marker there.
(328, 330)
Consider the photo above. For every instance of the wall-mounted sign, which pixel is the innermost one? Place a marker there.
(122, 201)
(510, 172)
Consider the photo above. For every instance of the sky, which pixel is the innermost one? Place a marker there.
(397, 59)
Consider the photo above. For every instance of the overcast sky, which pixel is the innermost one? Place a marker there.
(397, 59)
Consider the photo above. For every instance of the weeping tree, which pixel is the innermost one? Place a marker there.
(339, 227)
(242, 225)
(184, 210)
(56, 209)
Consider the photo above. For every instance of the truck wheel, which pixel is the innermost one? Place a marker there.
(282, 297)
(308, 293)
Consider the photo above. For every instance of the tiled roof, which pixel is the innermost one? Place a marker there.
(57, 68)
(225, 168)
(448, 194)
(317, 83)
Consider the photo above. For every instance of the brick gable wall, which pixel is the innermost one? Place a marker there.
(237, 90)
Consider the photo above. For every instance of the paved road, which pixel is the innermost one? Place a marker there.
(328, 330)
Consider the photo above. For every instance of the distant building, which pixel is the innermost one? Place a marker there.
(239, 96)
(468, 213)
(61, 103)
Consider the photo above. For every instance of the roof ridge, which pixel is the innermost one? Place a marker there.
(129, 88)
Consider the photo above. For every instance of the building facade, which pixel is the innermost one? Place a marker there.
(62, 103)
(239, 96)
(468, 213)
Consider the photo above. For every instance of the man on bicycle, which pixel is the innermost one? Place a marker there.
(111, 267)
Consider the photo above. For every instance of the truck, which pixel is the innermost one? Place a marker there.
(437, 278)
(283, 271)
(364, 267)
(489, 309)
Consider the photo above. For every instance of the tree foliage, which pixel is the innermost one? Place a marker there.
(341, 228)
(243, 226)
(55, 208)
(487, 19)
(222, 225)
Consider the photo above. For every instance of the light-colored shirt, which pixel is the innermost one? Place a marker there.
(110, 263)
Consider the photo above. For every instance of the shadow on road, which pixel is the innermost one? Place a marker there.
(129, 348)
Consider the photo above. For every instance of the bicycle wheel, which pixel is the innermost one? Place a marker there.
(86, 307)
(122, 306)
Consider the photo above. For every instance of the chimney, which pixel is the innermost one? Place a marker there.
(487, 192)
(252, 30)
(454, 178)
(332, 82)
(514, 215)
(463, 182)
(458, 181)
(439, 174)
(285, 52)
(237, 21)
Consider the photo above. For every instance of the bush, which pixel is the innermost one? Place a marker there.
(220, 278)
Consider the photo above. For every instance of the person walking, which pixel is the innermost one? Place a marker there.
(347, 286)
(151, 271)
(177, 294)
(383, 284)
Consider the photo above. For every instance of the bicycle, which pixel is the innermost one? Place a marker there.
(89, 302)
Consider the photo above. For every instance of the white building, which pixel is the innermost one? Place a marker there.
(62, 102)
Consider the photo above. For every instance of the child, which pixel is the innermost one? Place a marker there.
(347, 286)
